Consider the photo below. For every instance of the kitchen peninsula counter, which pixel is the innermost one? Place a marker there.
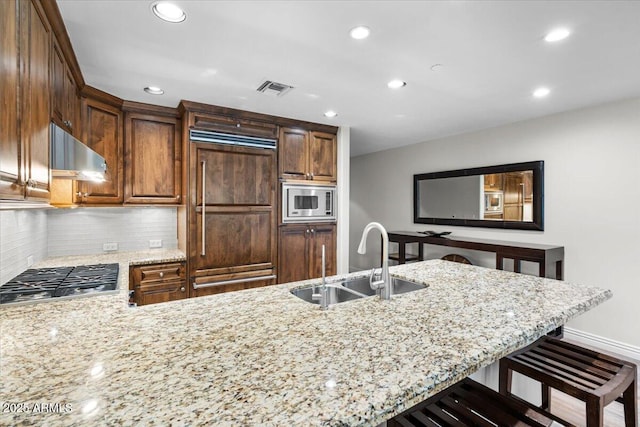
(264, 357)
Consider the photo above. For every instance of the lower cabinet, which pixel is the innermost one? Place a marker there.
(150, 284)
(300, 251)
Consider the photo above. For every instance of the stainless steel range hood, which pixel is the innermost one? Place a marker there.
(71, 159)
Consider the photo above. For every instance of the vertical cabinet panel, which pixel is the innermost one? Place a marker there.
(233, 218)
(300, 251)
(103, 134)
(65, 99)
(293, 147)
(10, 144)
(323, 156)
(322, 234)
(35, 50)
(153, 159)
(293, 253)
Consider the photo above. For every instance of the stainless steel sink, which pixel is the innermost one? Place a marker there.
(352, 289)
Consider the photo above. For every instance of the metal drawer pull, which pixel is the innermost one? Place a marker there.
(204, 206)
(229, 282)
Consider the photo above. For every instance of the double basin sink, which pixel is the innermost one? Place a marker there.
(353, 289)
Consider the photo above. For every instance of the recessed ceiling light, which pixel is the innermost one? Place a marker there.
(154, 90)
(541, 92)
(330, 114)
(360, 33)
(557, 35)
(436, 67)
(396, 84)
(168, 11)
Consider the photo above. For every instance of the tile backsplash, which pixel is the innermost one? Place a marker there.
(85, 230)
(23, 238)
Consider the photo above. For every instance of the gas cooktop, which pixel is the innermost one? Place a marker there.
(45, 283)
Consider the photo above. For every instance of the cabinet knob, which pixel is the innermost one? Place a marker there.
(311, 176)
(307, 231)
(182, 289)
(313, 230)
(161, 274)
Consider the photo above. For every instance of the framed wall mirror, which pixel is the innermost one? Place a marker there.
(502, 196)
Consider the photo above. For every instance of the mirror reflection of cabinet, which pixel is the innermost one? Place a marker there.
(503, 196)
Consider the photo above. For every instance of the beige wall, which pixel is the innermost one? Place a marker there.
(592, 199)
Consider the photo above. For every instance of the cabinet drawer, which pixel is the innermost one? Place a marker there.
(160, 272)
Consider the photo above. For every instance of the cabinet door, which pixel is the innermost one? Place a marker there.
(323, 157)
(10, 145)
(153, 172)
(233, 221)
(293, 153)
(103, 134)
(322, 234)
(58, 76)
(71, 104)
(35, 52)
(293, 253)
(513, 192)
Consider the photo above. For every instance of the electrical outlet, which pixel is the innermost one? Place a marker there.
(155, 243)
(107, 247)
(29, 260)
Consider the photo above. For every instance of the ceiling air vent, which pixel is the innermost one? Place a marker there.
(274, 88)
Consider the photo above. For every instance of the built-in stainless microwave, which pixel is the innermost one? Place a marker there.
(308, 203)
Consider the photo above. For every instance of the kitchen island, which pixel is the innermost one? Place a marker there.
(264, 357)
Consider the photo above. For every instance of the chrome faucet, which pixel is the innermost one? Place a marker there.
(323, 296)
(382, 281)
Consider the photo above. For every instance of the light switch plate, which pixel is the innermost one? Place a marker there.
(155, 243)
(107, 247)
(29, 260)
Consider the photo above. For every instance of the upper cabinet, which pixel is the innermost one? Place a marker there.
(103, 125)
(152, 155)
(65, 102)
(11, 174)
(35, 59)
(304, 155)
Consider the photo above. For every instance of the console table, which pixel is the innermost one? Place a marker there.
(549, 258)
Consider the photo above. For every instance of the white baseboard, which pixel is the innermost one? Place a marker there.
(606, 344)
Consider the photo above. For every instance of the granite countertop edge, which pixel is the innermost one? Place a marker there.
(260, 318)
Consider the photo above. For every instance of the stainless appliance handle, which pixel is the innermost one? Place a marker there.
(229, 282)
(203, 252)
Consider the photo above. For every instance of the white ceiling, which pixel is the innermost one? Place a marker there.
(493, 56)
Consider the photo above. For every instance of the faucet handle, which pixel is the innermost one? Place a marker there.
(375, 280)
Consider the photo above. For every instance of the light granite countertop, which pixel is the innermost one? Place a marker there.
(264, 357)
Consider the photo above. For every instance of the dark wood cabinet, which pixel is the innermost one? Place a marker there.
(152, 157)
(232, 219)
(300, 251)
(156, 283)
(493, 182)
(11, 170)
(304, 155)
(35, 59)
(323, 156)
(102, 124)
(65, 99)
